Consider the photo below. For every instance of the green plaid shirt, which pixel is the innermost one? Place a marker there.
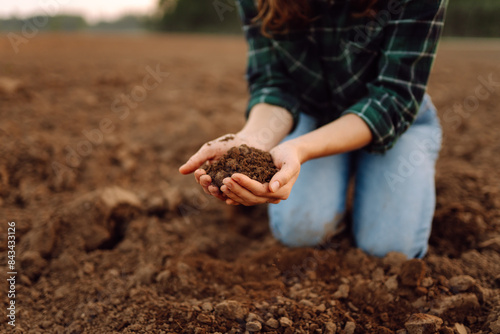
(376, 68)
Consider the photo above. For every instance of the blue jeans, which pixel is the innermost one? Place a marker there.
(394, 193)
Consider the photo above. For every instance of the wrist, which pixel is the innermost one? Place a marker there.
(301, 148)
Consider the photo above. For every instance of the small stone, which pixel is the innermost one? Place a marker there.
(88, 268)
(254, 317)
(207, 306)
(460, 329)
(204, 318)
(306, 302)
(392, 283)
(285, 322)
(330, 328)
(253, 326)
(420, 323)
(272, 323)
(321, 308)
(353, 307)
(412, 272)
(342, 291)
(427, 282)
(465, 301)
(461, 283)
(350, 327)
(231, 309)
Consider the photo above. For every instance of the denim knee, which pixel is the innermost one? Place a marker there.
(407, 245)
(299, 230)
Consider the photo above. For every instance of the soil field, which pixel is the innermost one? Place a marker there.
(111, 238)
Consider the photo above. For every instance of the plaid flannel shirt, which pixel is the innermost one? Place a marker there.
(374, 67)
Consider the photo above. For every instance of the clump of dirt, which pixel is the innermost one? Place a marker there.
(256, 164)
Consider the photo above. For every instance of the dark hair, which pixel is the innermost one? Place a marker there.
(278, 15)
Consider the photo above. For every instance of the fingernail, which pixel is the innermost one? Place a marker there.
(275, 186)
(227, 182)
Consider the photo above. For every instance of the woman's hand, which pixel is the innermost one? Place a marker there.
(211, 152)
(266, 126)
(240, 189)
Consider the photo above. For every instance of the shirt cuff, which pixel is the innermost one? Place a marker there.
(378, 119)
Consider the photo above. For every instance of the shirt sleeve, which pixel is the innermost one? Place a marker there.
(268, 80)
(407, 55)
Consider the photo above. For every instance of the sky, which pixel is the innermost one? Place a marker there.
(92, 10)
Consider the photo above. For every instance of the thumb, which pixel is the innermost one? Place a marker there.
(195, 161)
(282, 177)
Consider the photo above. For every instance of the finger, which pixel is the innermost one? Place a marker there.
(283, 176)
(198, 173)
(214, 191)
(205, 180)
(244, 194)
(231, 202)
(231, 195)
(197, 160)
(255, 187)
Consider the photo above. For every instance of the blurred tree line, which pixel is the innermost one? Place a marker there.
(197, 16)
(65, 22)
(465, 18)
(473, 18)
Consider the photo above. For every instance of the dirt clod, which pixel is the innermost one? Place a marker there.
(255, 163)
(350, 327)
(330, 328)
(253, 326)
(285, 322)
(412, 272)
(461, 283)
(231, 310)
(272, 323)
(420, 323)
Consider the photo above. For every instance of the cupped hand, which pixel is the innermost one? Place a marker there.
(208, 153)
(240, 189)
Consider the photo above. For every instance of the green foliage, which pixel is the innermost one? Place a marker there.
(198, 16)
(124, 23)
(465, 18)
(44, 23)
(71, 23)
(473, 18)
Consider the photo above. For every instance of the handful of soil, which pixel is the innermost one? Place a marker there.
(254, 163)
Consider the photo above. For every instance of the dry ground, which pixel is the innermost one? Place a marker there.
(110, 238)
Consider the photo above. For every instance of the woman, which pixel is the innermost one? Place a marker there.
(338, 88)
